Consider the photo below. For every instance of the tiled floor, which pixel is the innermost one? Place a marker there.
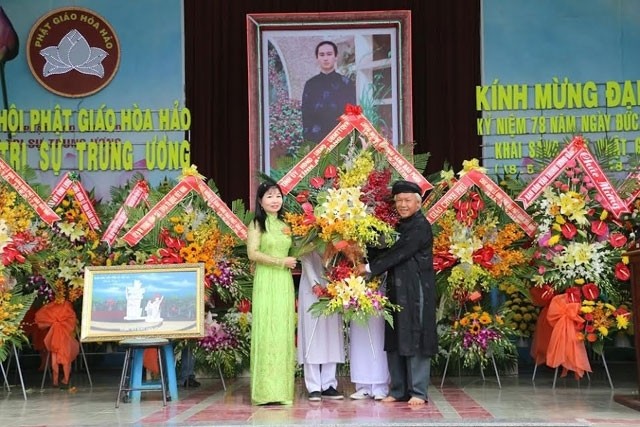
(467, 401)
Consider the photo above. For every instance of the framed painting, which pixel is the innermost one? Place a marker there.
(305, 67)
(163, 301)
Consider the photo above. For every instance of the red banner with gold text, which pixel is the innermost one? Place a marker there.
(222, 210)
(176, 195)
(491, 190)
(27, 193)
(159, 211)
(138, 193)
(576, 150)
(353, 119)
(70, 181)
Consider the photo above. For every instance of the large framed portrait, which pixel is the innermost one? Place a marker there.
(304, 68)
(163, 301)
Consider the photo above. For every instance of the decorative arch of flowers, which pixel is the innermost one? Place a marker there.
(584, 227)
(343, 208)
(46, 242)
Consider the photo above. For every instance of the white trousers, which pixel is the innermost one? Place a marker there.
(320, 377)
(381, 389)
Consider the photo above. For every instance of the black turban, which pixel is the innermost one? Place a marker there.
(405, 187)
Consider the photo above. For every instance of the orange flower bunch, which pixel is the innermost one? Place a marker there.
(201, 242)
(299, 226)
(478, 252)
(601, 319)
(195, 237)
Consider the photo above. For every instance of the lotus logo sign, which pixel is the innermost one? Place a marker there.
(73, 52)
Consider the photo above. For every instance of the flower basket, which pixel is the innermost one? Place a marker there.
(477, 336)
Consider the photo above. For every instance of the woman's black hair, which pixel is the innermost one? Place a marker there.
(261, 215)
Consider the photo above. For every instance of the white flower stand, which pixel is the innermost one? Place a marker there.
(4, 373)
(493, 361)
(555, 375)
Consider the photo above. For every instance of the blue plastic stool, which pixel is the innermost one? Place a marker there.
(135, 348)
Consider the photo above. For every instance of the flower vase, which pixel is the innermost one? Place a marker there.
(622, 340)
(523, 342)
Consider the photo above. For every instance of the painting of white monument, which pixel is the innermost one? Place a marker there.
(143, 300)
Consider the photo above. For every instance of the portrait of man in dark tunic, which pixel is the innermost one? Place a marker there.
(325, 95)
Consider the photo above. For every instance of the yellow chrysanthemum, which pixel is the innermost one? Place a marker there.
(622, 322)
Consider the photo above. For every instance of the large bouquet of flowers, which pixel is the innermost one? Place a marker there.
(578, 241)
(476, 247)
(477, 336)
(49, 261)
(72, 246)
(343, 212)
(355, 298)
(226, 343)
(21, 234)
(192, 233)
(19, 238)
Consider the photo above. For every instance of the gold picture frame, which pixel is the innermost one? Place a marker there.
(127, 301)
(374, 50)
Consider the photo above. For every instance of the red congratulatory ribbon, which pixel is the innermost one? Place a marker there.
(43, 210)
(489, 188)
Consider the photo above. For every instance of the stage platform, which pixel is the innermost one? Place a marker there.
(462, 401)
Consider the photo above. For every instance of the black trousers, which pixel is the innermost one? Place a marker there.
(409, 375)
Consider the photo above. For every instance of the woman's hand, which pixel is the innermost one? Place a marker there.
(290, 262)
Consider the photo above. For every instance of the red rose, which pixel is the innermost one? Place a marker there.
(340, 245)
(330, 172)
(590, 291)
(319, 291)
(620, 311)
(617, 239)
(568, 230)
(461, 205)
(309, 217)
(622, 272)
